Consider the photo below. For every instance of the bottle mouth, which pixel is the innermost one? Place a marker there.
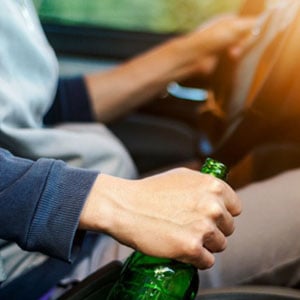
(215, 168)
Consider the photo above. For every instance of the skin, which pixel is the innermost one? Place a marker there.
(115, 92)
(180, 214)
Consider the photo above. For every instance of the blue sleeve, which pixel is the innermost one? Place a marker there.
(71, 103)
(41, 203)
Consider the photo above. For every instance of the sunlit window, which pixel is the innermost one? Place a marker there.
(163, 16)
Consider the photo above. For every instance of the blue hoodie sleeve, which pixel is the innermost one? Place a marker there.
(41, 202)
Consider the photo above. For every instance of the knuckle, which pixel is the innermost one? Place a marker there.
(230, 229)
(223, 245)
(211, 262)
(194, 247)
(216, 242)
(210, 234)
(216, 211)
(207, 262)
(205, 227)
(217, 187)
(237, 208)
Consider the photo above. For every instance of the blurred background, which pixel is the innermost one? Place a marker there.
(162, 16)
(95, 35)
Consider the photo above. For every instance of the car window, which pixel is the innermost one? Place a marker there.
(158, 16)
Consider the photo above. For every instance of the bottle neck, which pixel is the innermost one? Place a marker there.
(214, 168)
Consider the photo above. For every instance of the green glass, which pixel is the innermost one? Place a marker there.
(215, 168)
(145, 277)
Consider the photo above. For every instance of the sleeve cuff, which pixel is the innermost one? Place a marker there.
(71, 103)
(54, 227)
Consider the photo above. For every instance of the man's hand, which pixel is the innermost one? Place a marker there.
(120, 90)
(180, 214)
(203, 47)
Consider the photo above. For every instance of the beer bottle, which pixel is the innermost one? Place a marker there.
(145, 277)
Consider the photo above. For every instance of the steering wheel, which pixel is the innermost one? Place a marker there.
(257, 95)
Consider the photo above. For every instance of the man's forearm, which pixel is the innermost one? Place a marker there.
(135, 82)
(41, 202)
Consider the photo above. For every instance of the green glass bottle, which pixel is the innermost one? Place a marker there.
(145, 277)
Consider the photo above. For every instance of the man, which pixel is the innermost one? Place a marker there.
(52, 205)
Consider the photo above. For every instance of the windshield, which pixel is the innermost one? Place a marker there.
(162, 16)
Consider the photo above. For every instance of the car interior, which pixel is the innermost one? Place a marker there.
(170, 121)
(248, 119)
